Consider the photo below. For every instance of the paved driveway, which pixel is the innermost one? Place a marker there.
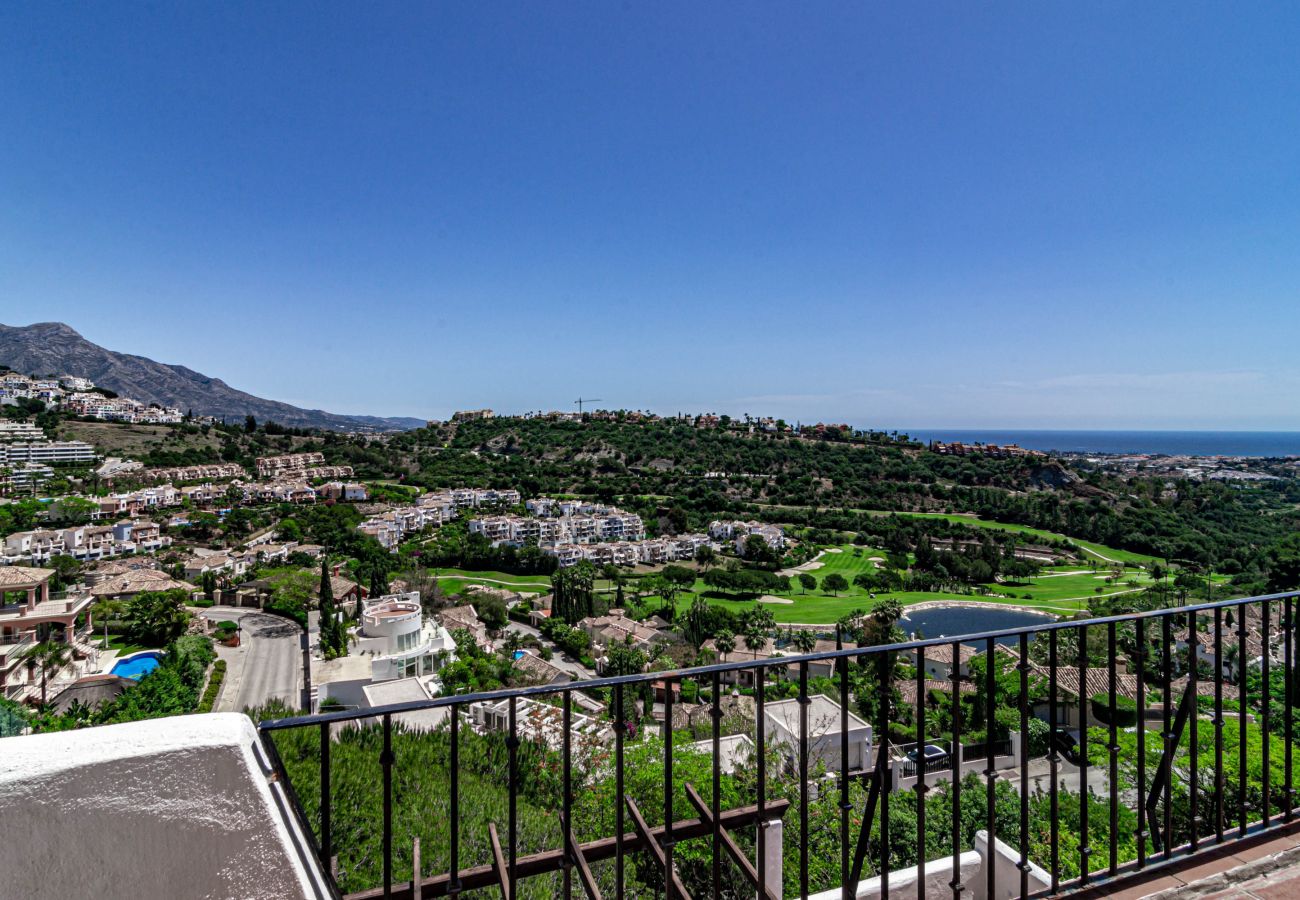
(266, 664)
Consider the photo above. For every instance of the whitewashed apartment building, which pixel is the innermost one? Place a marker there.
(738, 532)
(83, 542)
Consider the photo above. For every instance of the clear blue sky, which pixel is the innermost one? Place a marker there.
(971, 215)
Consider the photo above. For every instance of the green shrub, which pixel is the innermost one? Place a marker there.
(1124, 713)
(1038, 737)
(209, 698)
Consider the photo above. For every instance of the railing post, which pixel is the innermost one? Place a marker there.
(1054, 758)
(453, 882)
(326, 840)
(843, 666)
(990, 773)
(567, 799)
(386, 762)
(1193, 649)
(1288, 672)
(956, 762)
(1243, 668)
(1218, 726)
(803, 780)
(1085, 709)
(619, 827)
(1023, 668)
(922, 764)
(668, 841)
(1113, 748)
(1140, 658)
(512, 747)
(715, 800)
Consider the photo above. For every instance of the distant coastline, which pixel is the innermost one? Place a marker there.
(1169, 443)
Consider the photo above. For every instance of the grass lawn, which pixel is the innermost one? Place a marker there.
(123, 646)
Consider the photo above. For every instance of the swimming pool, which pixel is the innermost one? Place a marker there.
(137, 665)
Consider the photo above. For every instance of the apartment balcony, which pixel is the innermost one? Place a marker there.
(13, 646)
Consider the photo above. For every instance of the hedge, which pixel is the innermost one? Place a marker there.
(1124, 713)
(209, 698)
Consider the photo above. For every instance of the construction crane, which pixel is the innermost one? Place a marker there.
(582, 400)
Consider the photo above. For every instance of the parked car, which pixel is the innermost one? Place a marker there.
(1066, 744)
(932, 753)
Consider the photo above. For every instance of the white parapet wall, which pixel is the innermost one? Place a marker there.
(904, 883)
(178, 807)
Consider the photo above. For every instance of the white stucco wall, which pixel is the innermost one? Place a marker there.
(178, 807)
(904, 883)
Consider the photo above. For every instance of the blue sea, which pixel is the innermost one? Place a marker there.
(1171, 443)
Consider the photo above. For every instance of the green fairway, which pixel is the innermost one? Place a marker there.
(1071, 585)
(453, 581)
(1063, 590)
(1060, 590)
(821, 609)
(1100, 551)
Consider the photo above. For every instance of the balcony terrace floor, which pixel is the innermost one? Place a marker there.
(1264, 868)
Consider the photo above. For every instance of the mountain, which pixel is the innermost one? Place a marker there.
(52, 348)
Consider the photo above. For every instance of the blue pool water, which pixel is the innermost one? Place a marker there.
(519, 654)
(137, 666)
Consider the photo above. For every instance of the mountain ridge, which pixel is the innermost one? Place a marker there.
(56, 348)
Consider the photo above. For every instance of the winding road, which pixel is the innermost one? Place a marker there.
(266, 664)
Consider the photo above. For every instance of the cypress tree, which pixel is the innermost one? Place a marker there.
(329, 625)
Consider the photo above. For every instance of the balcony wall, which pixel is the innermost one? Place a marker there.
(177, 807)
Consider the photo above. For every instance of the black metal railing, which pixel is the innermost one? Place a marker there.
(1127, 800)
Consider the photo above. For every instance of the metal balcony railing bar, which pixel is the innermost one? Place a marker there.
(752, 664)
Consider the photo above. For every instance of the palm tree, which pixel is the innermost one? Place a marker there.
(725, 641)
(50, 657)
(755, 638)
(804, 641)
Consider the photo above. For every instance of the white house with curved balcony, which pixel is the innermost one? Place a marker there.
(399, 640)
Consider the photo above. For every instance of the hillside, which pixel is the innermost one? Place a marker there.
(53, 348)
(698, 474)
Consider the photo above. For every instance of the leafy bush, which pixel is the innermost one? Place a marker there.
(156, 618)
(1038, 736)
(13, 718)
(190, 656)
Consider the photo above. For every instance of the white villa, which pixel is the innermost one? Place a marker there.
(400, 642)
